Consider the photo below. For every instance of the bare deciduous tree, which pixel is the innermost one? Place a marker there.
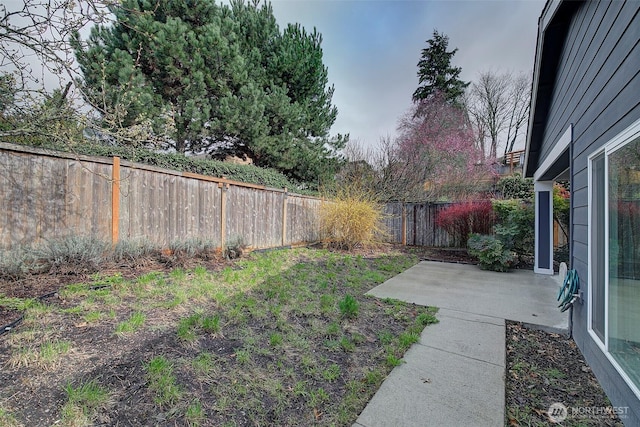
(498, 103)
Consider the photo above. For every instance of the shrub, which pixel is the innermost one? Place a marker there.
(71, 254)
(462, 219)
(130, 251)
(492, 254)
(13, 264)
(351, 218)
(515, 226)
(516, 187)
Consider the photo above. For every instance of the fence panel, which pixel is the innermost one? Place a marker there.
(302, 219)
(47, 197)
(419, 222)
(254, 217)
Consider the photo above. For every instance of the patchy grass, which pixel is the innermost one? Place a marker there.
(278, 338)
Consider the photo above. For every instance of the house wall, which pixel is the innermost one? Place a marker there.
(596, 89)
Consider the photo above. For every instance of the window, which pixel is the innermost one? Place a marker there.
(624, 257)
(614, 242)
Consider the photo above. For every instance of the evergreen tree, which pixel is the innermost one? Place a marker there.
(215, 79)
(436, 74)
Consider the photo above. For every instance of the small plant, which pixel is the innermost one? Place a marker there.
(331, 373)
(425, 319)
(333, 329)
(130, 251)
(392, 361)
(275, 339)
(235, 248)
(385, 337)
(188, 326)
(14, 264)
(195, 414)
(182, 250)
(132, 324)
(82, 403)
(349, 307)
(406, 339)
(162, 381)
(7, 419)
(52, 351)
(203, 363)
(243, 356)
(347, 344)
(491, 253)
(327, 304)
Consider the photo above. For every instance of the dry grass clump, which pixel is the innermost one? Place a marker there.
(351, 218)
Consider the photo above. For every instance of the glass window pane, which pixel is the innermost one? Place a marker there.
(624, 258)
(598, 254)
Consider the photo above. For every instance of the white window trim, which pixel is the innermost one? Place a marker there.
(590, 285)
(620, 140)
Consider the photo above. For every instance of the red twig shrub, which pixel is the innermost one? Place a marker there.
(462, 219)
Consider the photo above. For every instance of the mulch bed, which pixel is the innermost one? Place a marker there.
(544, 369)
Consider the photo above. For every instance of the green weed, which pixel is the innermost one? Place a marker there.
(331, 373)
(162, 381)
(195, 414)
(132, 324)
(82, 403)
(349, 307)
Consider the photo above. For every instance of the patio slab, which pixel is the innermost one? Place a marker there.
(454, 375)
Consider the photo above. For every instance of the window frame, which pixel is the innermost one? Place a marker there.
(630, 134)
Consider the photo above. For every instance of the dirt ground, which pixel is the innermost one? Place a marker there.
(542, 368)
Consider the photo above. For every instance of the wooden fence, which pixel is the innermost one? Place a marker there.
(414, 224)
(46, 195)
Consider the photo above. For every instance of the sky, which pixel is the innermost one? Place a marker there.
(371, 49)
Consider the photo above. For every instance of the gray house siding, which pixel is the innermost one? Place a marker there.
(597, 89)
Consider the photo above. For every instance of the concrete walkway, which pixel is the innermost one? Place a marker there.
(455, 375)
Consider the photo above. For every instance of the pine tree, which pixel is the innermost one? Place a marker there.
(436, 74)
(215, 79)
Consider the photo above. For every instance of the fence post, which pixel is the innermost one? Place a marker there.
(404, 224)
(284, 217)
(223, 214)
(115, 200)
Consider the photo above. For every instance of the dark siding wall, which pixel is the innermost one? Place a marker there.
(597, 90)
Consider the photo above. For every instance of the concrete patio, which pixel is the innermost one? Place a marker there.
(454, 376)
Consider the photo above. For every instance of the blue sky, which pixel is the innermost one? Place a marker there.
(371, 48)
